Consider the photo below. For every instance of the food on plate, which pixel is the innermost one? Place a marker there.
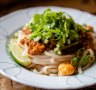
(52, 43)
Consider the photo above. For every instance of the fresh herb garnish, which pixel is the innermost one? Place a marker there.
(58, 26)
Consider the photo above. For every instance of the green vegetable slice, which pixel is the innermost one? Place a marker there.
(85, 60)
(75, 61)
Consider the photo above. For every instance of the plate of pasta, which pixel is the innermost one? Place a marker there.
(42, 46)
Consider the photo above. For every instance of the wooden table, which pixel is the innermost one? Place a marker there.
(8, 7)
(86, 5)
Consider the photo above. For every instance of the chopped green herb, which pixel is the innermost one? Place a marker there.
(75, 61)
(58, 26)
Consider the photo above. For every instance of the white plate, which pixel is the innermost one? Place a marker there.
(14, 21)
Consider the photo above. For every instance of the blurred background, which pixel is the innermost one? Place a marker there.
(7, 6)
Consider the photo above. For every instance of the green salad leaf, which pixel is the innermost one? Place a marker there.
(58, 26)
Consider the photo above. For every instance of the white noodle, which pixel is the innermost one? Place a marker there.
(41, 62)
(19, 36)
(52, 60)
(68, 41)
(53, 74)
(40, 56)
(47, 61)
(31, 65)
(49, 69)
(35, 71)
(94, 37)
(91, 54)
(25, 50)
(53, 70)
(80, 70)
(58, 56)
(86, 67)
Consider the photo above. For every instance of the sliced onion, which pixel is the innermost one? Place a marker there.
(79, 69)
(49, 69)
(41, 62)
(86, 67)
(53, 74)
(91, 53)
(58, 56)
(35, 71)
(40, 56)
(25, 50)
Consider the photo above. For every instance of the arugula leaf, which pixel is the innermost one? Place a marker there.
(37, 18)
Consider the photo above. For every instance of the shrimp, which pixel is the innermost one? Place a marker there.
(66, 69)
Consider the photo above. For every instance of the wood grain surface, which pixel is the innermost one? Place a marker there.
(8, 6)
